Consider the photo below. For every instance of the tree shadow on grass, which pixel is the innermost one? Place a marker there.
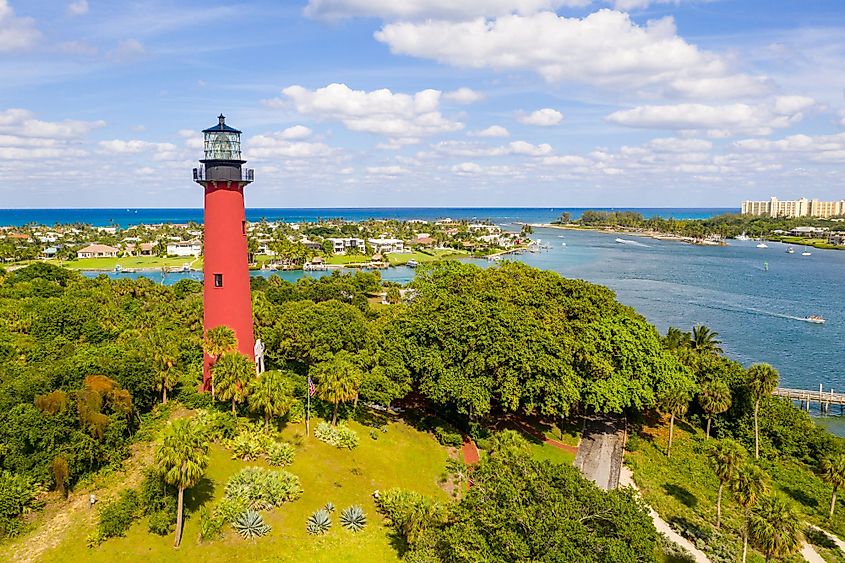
(801, 496)
(199, 494)
(682, 494)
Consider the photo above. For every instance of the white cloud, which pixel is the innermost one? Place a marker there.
(464, 149)
(379, 111)
(464, 96)
(717, 121)
(296, 132)
(675, 145)
(492, 131)
(284, 144)
(78, 8)
(127, 50)
(16, 34)
(432, 9)
(386, 170)
(842, 117)
(21, 122)
(819, 148)
(606, 49)
(466, 168)
(161, 151)
(545, 117)
(566, 160)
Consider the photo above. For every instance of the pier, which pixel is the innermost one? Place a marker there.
(805, 398)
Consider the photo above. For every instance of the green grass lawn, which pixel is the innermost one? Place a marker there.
(422, 257)
(815, 242)
(402, 457)
(551, 453)
(347, 259)
(682, 489)
(139, 262)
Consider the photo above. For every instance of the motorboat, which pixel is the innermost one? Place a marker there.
(815, 319)
(413, 263)
(790, 250)
(563, 244)
(806, 253)
(743, 237)
(762, 245)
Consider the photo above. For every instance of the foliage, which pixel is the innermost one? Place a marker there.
(211, 524)
(280, 454)
(249, 444)
(116, 517)
(410, 513)
(447, 435)
(353, 518)
(271, 394)
(233, 373)
(250, 525)
(337, 379)
(832, 470)
(319, 523)
(262, 489)
(340, 436)
(775, 527)
(18, 495)
(217, 425)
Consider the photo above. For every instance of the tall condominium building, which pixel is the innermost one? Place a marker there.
(797, 208)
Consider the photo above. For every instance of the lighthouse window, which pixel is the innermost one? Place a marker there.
(243, 227)
(218, 280)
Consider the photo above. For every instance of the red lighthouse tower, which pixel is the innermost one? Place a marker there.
(226, 268)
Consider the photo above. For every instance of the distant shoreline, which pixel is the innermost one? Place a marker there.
(634, 232)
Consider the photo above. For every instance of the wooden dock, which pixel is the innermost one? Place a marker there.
(806, 397)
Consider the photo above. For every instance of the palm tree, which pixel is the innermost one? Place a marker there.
(775, 527)
(165, 353)
(833, 471)
(233, 372)
(762, 381)
(726, 457)
(217, 342)
(182, 458)
(714, 398)
(272, 394)
(337, 380)
(676, 404)
(748, 485)
(676, 339)
(705, 340)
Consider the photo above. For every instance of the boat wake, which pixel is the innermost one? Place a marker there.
(753, 311)
(631, 242)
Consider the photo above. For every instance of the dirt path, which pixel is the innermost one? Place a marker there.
(599, 455)
(525, 428)
(60, 515)
(810, 554)
(626, 479)
(839, 543)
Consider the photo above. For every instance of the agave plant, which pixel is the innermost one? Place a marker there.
(319, 522)
(353, 518)
(250, 524)
(329, 507)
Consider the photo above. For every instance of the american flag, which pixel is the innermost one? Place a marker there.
(311, 388)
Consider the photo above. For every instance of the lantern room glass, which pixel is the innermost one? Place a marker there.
(220, 145)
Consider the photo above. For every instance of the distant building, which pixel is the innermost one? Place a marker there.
(184, 248)
(142, 249)
(795, 208)
(98, 251)
(341, 246)
(386, 245)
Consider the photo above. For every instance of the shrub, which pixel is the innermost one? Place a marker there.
(261, 489)
(633, 443)
(353, 518)
(250, 525)
(17, 497)
(211, 524)
(117, 517)
(340, 436)
(296, 414)
(409, 512)
(217, 425)
(373, 434)
(448, 436)
(161, 522)
(329, 507)
(249, 444)
(228, 509)
(280, 453)
(319, 523)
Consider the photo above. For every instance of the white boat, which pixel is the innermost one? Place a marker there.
(790, 250)
(624, 241)
(815, 319)
(806, 253)
(563, 244)
(762, 245)
(743, 236)
(413, 263)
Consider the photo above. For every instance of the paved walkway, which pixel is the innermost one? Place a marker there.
(470, 451)
(599, 456)
(527, 429)
(810, 554)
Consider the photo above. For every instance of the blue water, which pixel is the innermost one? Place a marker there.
(128, 217)
(756, 312)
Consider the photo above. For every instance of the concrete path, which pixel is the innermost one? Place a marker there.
(599, 456)
(626, 479)
(810, 554)
(839, 543)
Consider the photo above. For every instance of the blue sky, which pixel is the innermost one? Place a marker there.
(354, 103)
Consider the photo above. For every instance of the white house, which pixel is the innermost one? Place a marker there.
(185, 248)
(344, 245)
(385, 245)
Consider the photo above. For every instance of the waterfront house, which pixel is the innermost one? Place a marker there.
(98, 251)
(807, 232)
(387, 245)
(341, 246)
(184, 248)
(142, 249)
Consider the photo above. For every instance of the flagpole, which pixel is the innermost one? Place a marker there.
(308, 410)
